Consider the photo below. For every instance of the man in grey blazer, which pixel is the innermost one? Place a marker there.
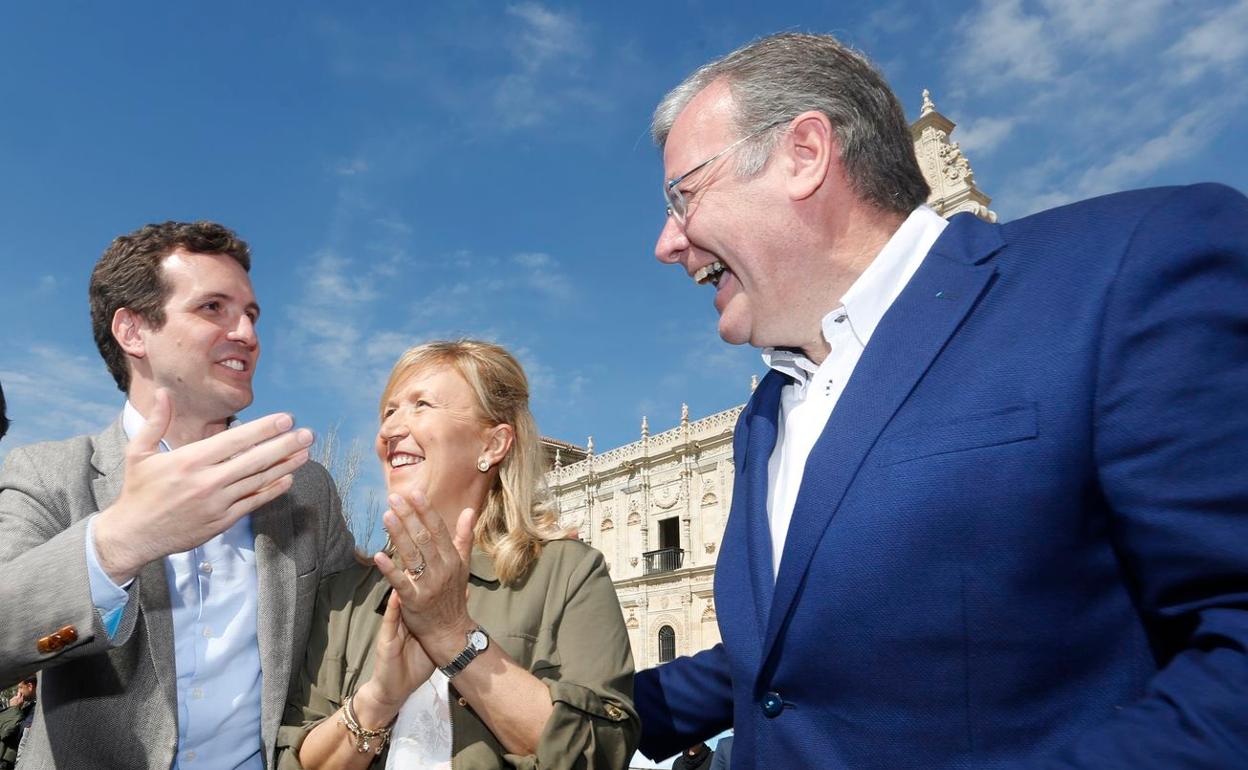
(160, 575)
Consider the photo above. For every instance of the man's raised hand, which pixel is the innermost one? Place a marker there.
(174, 501)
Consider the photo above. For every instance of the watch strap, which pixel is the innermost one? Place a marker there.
(467, 655)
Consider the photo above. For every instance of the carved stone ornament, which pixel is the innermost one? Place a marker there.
(710, 548)
(669, 500)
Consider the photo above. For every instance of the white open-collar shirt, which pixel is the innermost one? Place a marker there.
(810, 395)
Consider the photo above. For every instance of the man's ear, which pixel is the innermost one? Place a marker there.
(813, 152)
(127, 330)
(498, 443)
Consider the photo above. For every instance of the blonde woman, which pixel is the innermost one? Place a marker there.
(488, 641)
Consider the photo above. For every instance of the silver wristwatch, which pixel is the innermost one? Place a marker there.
(478, 641)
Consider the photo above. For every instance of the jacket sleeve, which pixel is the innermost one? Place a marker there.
(684, 701)
(43, 572)
(594, 724)
(317, 692)
(1172, 457)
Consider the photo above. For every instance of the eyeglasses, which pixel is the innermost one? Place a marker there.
(677, 204)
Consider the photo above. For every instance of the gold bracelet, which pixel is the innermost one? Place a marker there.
(362, 737)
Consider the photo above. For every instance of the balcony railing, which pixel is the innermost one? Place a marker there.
(662, 560)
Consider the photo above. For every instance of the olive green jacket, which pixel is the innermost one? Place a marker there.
(562, 622)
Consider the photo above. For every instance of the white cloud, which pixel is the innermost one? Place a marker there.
(1219, 42)
(533, 259)
(351, 167)
(1099, 94)
(1183, 139)
(1113, 24)
(1003, 43)
(53, 393)
(543, 276)
(983, 135)
(549, 53)
(328, 320)
(545, 36)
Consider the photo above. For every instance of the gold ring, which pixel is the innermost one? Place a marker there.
(415, 572)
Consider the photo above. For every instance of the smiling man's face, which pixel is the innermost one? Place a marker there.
(727, 240)
(206, 351)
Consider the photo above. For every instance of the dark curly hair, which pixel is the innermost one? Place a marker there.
(129, 275)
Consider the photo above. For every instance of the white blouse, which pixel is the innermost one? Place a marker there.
(421, 737)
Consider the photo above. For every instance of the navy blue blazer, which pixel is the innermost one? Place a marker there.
(1022, 538)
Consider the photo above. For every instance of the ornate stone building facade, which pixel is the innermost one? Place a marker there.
(656, 507)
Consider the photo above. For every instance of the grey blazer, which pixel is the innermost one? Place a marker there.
(114, 704)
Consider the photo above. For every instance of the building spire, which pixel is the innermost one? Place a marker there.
(946, 169)
(928, 106)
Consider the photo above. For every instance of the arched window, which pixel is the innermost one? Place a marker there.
(667, 644)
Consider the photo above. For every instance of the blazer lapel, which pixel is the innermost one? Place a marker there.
(910, 336)
(273, 531)
(109, 460)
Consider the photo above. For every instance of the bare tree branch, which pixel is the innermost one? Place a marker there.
(344, 469)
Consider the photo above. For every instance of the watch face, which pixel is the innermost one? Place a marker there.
(478, 640)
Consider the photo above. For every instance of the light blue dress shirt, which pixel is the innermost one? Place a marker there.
(212, 590)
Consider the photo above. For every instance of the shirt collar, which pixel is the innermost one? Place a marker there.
(873, 293)
(132, 422)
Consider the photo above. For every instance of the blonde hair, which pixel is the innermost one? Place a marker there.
(517, 518)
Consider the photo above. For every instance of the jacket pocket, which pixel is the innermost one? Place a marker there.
(974, 431)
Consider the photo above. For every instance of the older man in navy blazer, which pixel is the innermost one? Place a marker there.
(991, 504)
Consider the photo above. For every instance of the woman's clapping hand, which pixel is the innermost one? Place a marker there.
(432, 585)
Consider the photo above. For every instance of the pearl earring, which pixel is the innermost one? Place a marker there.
(483, 465)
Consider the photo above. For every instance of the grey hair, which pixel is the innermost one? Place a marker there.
(776, 78)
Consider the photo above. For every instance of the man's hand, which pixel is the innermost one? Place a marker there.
(174, 501)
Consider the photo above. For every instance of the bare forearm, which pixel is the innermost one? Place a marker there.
(331, 745)
(513, 703)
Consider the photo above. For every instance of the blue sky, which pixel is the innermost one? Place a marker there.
(405, 171)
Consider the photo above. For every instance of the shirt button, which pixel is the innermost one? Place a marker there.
(189, 756)
(197, 694)
(772, 705)
(207, 632)
(206, 568)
